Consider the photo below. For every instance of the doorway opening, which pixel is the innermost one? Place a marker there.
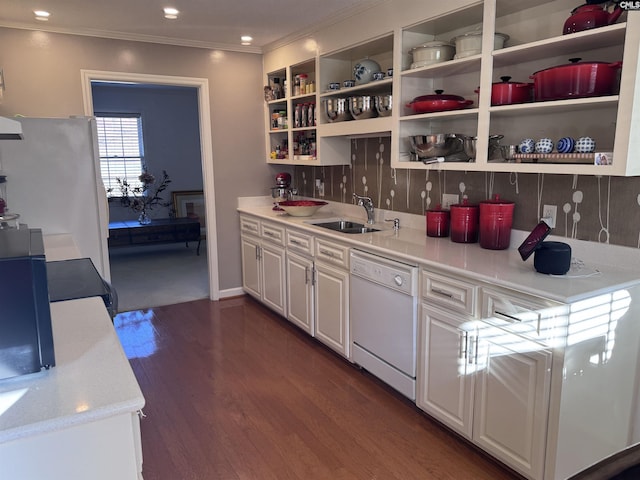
(206, 167)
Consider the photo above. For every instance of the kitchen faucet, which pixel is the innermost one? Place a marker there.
(367, 203)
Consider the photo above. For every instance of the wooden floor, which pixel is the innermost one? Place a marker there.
(233, 391)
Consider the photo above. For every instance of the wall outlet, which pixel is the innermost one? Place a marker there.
(549, 213)
(320, 187)
(449, 199)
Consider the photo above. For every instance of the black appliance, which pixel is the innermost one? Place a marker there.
(78, 278)
(26, 337)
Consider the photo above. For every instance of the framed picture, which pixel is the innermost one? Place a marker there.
(190, 204)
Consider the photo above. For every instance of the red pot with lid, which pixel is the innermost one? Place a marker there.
(507, 92)
(576, 80)
(496, 217)
(439, 102)
(438, 222)
(464, 222)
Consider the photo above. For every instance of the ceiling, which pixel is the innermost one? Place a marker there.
(201, 23)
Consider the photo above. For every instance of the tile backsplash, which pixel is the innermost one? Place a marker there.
(593, 208)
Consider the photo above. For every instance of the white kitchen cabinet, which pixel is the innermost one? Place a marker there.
(445, 375)
(300, 279)
(263, 262)
(536, 43)
(481, 379)
(511, 398)
(332, 295)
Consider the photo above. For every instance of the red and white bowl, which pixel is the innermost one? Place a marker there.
(301, 208)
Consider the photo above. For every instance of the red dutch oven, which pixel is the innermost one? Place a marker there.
(576, 80)
(509, 93)
(496, 216)
(438, 103)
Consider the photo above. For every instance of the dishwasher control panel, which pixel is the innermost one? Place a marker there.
(386, 272)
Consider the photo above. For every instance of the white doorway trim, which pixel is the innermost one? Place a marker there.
(202, 84)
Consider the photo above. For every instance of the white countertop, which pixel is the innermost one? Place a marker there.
(499, 267)
(92, 378)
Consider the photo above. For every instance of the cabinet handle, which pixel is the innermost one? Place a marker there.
(444, 293)
(472, 341)
(268, 234)
(306, 275)
(506, 316)
(327, 253)
(464, 339)
(313, 275)
(295, 242)
(258, 252)
(251, 228)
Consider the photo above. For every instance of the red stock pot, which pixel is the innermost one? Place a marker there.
(508, 93)
(576, 80)
(437, 222)
(464, 222)
(496, 217)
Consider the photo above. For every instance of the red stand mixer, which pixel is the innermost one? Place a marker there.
(283, 190)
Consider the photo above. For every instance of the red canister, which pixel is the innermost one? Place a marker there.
(464, 222)
(496, 216)
(437, 222)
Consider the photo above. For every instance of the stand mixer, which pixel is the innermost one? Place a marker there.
(282, 191)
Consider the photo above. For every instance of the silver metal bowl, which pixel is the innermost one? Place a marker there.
(436, 145)
(384, 105)
(337, 109)
(362, 106)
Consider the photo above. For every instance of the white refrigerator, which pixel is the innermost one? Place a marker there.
(54, 183)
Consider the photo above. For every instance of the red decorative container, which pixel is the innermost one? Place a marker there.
(464, 222)
(437, 222)
(496, 216)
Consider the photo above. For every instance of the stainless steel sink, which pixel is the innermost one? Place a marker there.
(345, 226)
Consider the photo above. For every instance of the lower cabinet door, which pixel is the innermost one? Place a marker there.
(445, 369)
(273, 278)
(512, 399)
(300, 291)
(251, 276)
(332, 308)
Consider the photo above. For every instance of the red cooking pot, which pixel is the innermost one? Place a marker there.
(576, 80)
(438, 103)
(508, 93)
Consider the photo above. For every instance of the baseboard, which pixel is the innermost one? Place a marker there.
(231, 292)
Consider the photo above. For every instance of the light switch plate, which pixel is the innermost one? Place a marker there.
(449, 199)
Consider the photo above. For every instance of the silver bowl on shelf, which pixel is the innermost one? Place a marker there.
(362, 106)
(337, 109)
(384, 105)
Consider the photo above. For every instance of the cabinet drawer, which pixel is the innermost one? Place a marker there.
(450, 292)
(272, 232)
(300, 242)
(333, 253)
(249, 225)
(533, 317)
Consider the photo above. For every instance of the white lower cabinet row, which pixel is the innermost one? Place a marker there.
(302, 277)
(547, 388)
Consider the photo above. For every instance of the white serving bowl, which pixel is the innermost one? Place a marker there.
(301, 208)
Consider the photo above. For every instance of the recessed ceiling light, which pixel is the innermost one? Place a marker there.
(171, 13)
(41, 15)
(246, 39)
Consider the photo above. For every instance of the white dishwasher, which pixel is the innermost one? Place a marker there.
(383, 311)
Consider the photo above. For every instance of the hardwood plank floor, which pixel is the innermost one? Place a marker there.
(234, 391)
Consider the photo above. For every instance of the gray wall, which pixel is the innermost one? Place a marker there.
(170, 133)
(42, 75)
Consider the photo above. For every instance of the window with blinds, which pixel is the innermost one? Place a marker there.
(121, 150)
